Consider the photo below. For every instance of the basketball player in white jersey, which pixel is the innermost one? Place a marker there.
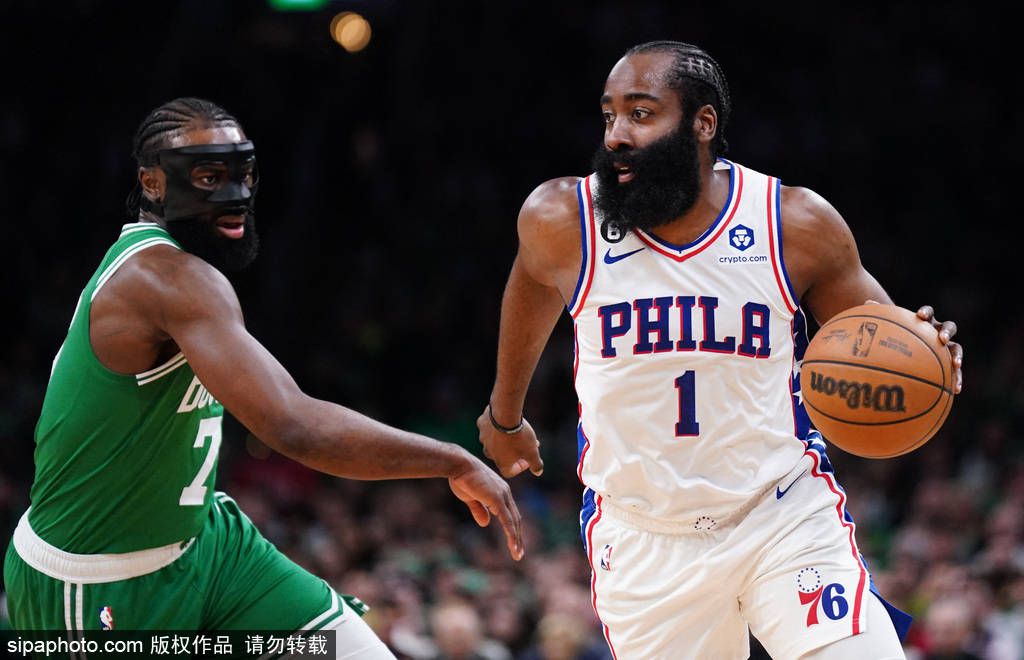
(710, 508)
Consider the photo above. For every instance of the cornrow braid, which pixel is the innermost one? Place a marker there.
(699, 80)
(156, 130)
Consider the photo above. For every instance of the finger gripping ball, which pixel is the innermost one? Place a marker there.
(876, 381)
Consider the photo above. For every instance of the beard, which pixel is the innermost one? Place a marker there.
(665, 183)
(199, 236)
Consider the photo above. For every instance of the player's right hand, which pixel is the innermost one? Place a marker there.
(487, 494)
(512, 453)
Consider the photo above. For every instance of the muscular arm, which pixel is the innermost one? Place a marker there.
(537, 291)
(822, 258)
(188, 301)
(825, 269)
(196, 307)
(542, 281)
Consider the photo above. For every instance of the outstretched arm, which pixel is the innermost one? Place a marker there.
(542, 280)
(196, 307)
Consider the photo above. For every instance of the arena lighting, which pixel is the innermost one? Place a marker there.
(350, 30)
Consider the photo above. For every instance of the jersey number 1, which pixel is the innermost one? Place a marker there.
(687, 424)
(194, 494)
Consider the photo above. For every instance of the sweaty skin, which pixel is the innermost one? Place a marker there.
(164, 300)
(821, 254)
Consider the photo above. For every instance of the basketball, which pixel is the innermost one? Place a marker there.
(876, 381)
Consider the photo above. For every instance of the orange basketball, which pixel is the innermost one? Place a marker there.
(876, 381)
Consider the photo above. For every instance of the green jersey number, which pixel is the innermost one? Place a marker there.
(194, 494)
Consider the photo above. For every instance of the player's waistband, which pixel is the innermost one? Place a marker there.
(696, 523)
(90, 569)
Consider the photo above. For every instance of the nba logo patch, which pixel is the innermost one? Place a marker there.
(606, 558)
(106, 618)
(741, 237)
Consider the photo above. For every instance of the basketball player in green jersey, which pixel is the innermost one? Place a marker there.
(125, 528)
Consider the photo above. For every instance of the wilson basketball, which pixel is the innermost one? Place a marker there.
(876, 381)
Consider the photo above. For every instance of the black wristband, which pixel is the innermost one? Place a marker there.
(508, 430)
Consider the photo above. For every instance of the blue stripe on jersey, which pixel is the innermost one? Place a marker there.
(804, 430)
(778, 233)
(587, 512)
(583, 242)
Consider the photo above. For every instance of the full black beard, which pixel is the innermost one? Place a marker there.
(199, 236)
(665, 184)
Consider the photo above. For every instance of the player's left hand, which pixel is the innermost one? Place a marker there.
(946, 330)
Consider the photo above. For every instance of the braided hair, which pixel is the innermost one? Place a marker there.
(699, 81)
(156, 130)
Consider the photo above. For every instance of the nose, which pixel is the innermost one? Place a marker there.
(617, 135)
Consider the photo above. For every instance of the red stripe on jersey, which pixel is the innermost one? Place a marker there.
(853, 544)
(776, 243)
(593, 572)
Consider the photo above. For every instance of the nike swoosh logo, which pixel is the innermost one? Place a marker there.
(609, 258)
(780, 493)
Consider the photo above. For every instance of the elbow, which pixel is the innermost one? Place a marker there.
(291, 434)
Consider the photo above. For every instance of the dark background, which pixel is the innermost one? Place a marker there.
(391, 180)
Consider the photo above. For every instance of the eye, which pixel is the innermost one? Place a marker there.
(209, 179)
(640, 113)
(609, 117)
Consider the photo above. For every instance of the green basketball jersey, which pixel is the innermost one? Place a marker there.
(123, 462)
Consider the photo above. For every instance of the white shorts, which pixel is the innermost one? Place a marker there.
(786, 566)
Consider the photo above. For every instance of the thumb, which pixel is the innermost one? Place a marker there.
(536, 465)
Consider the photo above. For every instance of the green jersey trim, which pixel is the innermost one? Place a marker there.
(124, 256)
(159, 372)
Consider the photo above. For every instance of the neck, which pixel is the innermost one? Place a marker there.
(146, 216)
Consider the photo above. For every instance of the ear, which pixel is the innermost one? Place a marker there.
(153, 181)
(705, 124)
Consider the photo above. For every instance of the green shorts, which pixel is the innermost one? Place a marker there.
(229, 578)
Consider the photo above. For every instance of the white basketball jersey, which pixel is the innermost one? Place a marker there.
(687, 357)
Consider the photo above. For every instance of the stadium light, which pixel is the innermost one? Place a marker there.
(351, 30)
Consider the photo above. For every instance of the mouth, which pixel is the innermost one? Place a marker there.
(624, 172)
(232, 225)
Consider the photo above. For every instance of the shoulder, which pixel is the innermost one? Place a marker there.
(816, 239)
(168, 282)
(552, 205)
(805, 210)
(549, 231)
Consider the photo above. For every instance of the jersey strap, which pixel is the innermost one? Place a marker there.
(150, 235)
(587, 241)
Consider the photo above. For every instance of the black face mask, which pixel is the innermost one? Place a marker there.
(191, 212)
(185, 201)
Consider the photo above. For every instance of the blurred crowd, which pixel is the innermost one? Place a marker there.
(391, 180)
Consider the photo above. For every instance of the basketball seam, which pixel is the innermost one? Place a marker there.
(853, 423)
(883, 369)
(942, 365)
(936, 426)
